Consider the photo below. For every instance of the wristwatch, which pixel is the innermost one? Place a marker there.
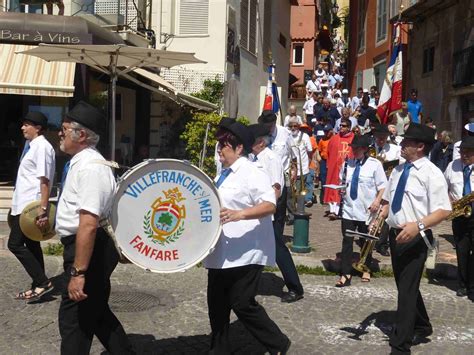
(421, 226)
(44, 208)
(74, 272)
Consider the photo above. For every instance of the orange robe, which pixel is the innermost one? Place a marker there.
(338, 150)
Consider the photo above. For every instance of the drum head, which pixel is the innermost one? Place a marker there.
(28, 222)
(165, 215)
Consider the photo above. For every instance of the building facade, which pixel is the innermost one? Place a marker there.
(441, 60)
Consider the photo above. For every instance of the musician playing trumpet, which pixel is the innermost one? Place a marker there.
(366, 182)
(459, 177)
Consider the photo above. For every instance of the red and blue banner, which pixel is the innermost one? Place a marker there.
(272, 101)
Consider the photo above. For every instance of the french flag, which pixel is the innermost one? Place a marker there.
(272, 101)
(391, 95)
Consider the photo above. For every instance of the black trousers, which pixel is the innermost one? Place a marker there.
(463, 230)
(28, 252)
(283, 257)
(235, 289)
(382, 243)
(79, 321)
(348, 245)
(408, 260)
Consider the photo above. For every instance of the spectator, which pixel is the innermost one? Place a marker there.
(394, 137)
(292, 113)
(314, 159)
(346, 113)
(346, 100)
(415, 107)
(323, 153)
(308, 108)
(356, 100)
(442, 152)
(320, 73)
(401, 119)
(313, 85)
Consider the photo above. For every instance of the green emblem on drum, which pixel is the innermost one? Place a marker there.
(164, 223)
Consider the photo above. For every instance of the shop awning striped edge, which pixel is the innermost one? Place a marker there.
(27, 75)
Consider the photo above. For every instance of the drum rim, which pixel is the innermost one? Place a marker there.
(211, 184)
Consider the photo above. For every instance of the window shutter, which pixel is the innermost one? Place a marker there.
(244, 23)
(267, 29)
(193, 17)
(253, 27)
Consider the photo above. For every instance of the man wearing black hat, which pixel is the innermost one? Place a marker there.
(460, 182)
(34, 179)
(281, 143)
(89, 255)
(366, 180)
(415, 200)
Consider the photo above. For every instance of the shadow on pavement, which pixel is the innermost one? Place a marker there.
(240, 340)
(449, 238)
(383, 320)
(270, 285)
(334, 265)
(451, 284)
(59, 283)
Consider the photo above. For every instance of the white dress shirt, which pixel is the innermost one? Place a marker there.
(371, 180)
(287, 120)
(426, 191)
(389, 151)
(245, 242)
(355, 102)
(38, 162)
(89, 186)
(313, 86)
(308, 106)
(454, 175)
(270, 164)
(302, 142)
(281, 145)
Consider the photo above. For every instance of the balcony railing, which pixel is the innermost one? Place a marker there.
(463, 67)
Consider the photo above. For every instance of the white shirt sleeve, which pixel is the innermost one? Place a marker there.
(307, 142)
(45, 162)
(261, 189)
(380, 177)
(95, 189)
(438, 198)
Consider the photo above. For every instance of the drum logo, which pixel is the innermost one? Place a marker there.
(164, 223)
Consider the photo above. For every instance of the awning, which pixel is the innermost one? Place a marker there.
(28, 75)
(165, 88)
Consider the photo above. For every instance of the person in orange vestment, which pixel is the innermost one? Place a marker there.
(338, 150)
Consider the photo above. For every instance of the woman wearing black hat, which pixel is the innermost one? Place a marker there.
(366, 182)
(246, 244)
(35, 175)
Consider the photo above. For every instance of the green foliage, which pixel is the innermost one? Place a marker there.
(213, 91)
(53, 249)
(194, 134)
(166, 218)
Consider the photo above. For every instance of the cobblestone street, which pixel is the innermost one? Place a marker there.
(167, 314)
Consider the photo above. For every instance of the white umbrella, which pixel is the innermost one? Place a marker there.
(113, 60)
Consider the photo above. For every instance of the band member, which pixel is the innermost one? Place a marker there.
(90, 256)
(366, 182)
(245, 245)
(460, 181)
(415, 200)
(281, 144)
(34, 179)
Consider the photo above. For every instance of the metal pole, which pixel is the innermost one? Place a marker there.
(113, 84)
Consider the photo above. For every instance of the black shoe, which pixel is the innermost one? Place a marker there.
(383, 251)
(291, 297)
(461, 292)
(345, 282)
(308, 204)
(287, 347)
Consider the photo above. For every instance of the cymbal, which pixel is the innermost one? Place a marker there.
(28, 222)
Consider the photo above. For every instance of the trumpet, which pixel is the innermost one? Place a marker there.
(298, 195)
(375, 222)
(462, 207)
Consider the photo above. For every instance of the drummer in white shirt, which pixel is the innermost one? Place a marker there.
(245, 246)
(34, 180)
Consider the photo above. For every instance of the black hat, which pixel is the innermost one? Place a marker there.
(420, 133)
(381, 129)
(87, 115)
(360, 141)
(259, 130)
(37, 118)
(225, 121)
(267, 116)
(467, 143)
(243, 133)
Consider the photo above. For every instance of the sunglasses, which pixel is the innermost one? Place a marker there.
(343, 125)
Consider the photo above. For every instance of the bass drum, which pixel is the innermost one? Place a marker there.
(165, 215)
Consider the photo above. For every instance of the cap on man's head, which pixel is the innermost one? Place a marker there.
(37, 118)
(345, 91)
(87, 115)
(381, 129)
(267, 116)
(420, 133)
(360, 141)
(365, 91)
(259, 130)
(467, 142)
(469, 127)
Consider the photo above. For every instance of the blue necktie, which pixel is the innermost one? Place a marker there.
(467, 180)
(402, 182)
(26, 148)
(355, 181)
(65, 171)
(224, 174)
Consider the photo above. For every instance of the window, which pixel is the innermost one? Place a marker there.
(248, 25)
(193, 17)
(428, 59)
(381, 20)
(380, 71)
(361, 26)
(394, 8)
(17, 6)
(359, 78)
(298, 54)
